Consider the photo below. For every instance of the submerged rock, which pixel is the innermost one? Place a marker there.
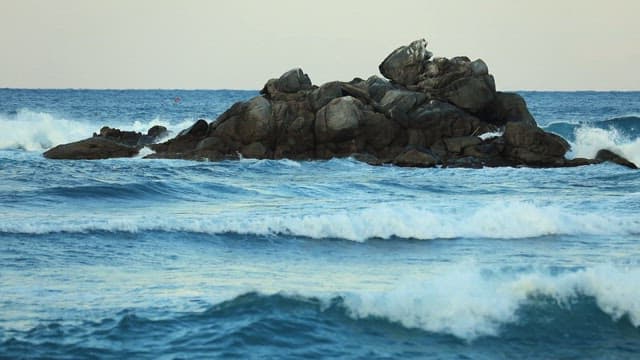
(430, 111)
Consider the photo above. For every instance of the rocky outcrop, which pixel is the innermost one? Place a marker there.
(427, 112)
(108, 143)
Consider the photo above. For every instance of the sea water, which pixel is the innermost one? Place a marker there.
(135, 258)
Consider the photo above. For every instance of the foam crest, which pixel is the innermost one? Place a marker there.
(32, 131)
(497, 221)
(470, 303)
(37, 131)
(590, 140)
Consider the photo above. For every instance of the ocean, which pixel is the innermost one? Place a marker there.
(167, 259)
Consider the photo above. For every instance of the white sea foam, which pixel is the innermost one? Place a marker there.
(33, 131)
(37, 131)
(469, 303)
(498, 220)
(590, 140)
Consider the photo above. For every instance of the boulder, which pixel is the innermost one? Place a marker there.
(293, 81)
(608, 155)
(531, 145)
(396, 104)
(339, 120)
(406, 63)
(471, 94)
(92, 149)
(507, 107)
(416, 158)
(377, 87)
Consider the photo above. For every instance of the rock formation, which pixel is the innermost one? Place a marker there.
(430, 111)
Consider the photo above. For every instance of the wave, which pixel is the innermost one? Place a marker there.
(37, 131)
(32, 131)
(470, 303)
(621, 135)
(498, 220)
(500, 311)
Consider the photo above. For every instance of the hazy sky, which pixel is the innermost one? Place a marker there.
(542, 44)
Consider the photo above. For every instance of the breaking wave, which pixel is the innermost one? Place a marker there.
(620, 135)
(493, 221)
(37, 131)
(484, 309)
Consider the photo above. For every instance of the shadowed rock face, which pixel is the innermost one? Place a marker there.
(428, 112)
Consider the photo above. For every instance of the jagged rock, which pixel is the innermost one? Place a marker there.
(406, 63)
(416, 158)
(608, 155)
(92, 149)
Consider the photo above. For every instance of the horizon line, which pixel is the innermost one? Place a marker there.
(257, 90)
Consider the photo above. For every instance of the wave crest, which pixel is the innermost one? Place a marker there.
(494, 221)
(37, 131)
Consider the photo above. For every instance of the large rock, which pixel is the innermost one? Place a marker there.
(507, 107)
(533, 146)
(293, 81)
(339, 120)
(92, 149)
(471, 93)
(406, 63)
(437, 120)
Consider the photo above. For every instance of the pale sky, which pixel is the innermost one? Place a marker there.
(239, 44)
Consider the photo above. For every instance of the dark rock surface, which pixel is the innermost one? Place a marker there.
(109, 143)
(608, 155)
(430, 112)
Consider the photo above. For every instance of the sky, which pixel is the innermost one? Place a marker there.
(239, 44)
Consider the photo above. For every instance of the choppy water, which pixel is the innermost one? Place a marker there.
(133, 258)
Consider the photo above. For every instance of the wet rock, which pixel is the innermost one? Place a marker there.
(416, 158)
(608, 155)
(92, 149)
(533, 146)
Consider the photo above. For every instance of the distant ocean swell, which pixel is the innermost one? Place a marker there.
(470, 305)
(497, 220)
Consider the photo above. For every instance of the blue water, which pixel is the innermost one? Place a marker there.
(134, 258)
